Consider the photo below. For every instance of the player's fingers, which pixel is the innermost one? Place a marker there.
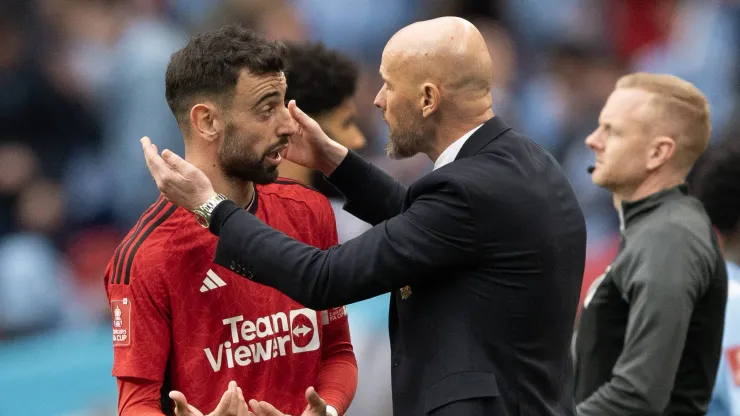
(181, 404)
(313, 398)
(270, 409)
(175, 162)
(256, 408)
(304, 120)
(240, 393)
(158, 168)
(242, 408)
(224, 404)
(264, 409)
(234, 406)
(150, 155)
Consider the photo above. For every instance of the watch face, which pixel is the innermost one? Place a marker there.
(201, 220)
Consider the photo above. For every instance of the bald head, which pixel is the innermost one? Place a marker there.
(437, 78)
(448, 51)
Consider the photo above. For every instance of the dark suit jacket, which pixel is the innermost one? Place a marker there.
(493, 249)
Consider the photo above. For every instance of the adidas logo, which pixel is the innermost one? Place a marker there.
(212, 281)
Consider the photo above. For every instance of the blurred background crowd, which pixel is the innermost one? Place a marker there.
(82, 80)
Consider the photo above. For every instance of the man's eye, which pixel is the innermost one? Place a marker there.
(268, 111)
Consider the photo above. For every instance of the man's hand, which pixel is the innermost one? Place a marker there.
(310, 146)
(232, 404)
(316, 406)
(179, 181)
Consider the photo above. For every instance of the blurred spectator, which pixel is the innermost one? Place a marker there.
(718, 187)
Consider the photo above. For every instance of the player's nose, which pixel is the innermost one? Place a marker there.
(288, 126)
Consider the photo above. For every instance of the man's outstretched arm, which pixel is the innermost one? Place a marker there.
(436, 232)
(372, 195)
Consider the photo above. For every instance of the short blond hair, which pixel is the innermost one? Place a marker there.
(682, 112)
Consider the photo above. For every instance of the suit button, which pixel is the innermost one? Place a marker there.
(232, 265)
(395, 363)
(248, 275)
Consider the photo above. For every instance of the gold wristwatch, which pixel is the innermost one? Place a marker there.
(203, 213)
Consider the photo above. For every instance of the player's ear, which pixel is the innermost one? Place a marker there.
(206, 120)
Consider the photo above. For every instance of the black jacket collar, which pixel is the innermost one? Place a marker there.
(635, 209)
(489, 131)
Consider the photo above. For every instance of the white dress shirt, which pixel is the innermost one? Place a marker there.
(449, 154)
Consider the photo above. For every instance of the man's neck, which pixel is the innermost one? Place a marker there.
(240, 192)
(449, 133)
(651, 185)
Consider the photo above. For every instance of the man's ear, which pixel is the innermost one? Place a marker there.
(661, 151)
(430, 99)
(206, 119)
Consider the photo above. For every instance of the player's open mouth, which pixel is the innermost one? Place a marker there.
(274, 158)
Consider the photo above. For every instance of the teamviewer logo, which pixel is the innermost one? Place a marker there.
(304, 330)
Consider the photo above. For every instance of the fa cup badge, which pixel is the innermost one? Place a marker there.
(405, 292)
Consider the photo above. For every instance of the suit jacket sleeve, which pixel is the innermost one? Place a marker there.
(435, 232)
(372, 195)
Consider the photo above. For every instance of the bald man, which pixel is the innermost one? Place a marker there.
(484, 256)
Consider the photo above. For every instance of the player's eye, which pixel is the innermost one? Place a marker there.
(268, 111)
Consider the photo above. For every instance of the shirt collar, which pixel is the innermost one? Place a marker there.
(636, 209)
(449, 154)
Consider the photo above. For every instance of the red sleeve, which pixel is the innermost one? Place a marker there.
(140, 316)
(337, 379)
(139, 397)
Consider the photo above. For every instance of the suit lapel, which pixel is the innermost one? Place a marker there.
(484, 135)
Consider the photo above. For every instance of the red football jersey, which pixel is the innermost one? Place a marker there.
(181, 319)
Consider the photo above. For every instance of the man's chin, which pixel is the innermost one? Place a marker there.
(601, 181)
(397, 153)
(267, 177)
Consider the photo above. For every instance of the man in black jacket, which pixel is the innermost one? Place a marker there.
(484, 255)
(650, 333)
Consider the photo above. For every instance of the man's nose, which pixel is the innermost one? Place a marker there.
(289, 126)
(592, 141)
(379, 99)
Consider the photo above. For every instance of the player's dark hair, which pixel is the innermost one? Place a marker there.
(210, 64)
(717, 185)
(319, 79)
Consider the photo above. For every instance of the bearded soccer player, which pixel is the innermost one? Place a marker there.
(181, 322)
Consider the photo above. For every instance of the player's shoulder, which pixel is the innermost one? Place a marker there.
(294, 195)
(155, 242)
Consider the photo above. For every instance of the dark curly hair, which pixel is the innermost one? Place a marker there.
(319, 79)
(717, 185)
(210, 64)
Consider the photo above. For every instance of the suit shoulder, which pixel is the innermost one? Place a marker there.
(294, 195)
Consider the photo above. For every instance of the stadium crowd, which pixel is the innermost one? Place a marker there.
(82, 81)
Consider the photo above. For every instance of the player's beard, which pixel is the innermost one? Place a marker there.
(405, 138)
(240, 162)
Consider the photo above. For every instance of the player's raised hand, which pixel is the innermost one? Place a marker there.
(316, 406)
(179, 181)
(310, 146)
(264, 409)
(232, 404)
